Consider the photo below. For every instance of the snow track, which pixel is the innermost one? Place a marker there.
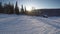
(22, 24)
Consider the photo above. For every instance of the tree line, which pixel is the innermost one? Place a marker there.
(10, 9)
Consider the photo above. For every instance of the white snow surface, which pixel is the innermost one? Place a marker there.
(23, 24)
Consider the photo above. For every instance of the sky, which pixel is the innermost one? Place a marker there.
(38, 4)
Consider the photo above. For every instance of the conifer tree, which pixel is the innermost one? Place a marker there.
(16, 8)
(25, 11)
(22, 10)
(1, 7)
(11, 8)
(8, 8)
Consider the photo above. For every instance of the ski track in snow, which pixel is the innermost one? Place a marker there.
(22, 24)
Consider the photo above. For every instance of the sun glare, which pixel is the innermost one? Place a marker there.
(28, 8)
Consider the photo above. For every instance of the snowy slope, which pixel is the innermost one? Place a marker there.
(23, 24)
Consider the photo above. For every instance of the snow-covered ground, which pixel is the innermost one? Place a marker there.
(23, 24)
